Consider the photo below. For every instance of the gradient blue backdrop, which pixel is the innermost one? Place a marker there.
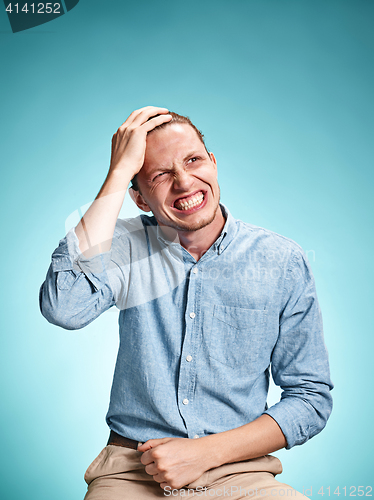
(283, 91)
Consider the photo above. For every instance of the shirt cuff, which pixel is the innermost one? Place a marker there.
(69, 257)
(292, 417)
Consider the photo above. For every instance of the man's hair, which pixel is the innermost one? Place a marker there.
(175, 119)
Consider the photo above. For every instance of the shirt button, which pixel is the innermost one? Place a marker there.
(185, 401)
(195, 270)
(192, 315)
(189, 358)
(196, 436)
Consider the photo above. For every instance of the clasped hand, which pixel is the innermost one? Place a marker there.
(175, 462)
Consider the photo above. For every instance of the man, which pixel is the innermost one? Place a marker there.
(207, 304)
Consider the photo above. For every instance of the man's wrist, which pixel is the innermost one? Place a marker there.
(213, 450)
(119, 178)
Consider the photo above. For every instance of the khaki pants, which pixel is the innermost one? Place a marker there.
(117, 474)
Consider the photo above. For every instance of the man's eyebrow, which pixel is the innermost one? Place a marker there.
(166, 169)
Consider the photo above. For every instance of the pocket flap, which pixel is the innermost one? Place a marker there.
(238, 317)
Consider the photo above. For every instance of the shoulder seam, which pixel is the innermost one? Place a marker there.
(253, 228)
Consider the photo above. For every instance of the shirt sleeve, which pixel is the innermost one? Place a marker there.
(299, 361)
(77, 289)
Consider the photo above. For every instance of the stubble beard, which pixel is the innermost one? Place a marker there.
(189, 227)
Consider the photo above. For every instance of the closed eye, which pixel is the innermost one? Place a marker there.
(158, 175)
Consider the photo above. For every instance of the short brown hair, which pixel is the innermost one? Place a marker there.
(175, 119)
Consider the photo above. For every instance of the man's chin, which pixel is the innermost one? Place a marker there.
(193, 226)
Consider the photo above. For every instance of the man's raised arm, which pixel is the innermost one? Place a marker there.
(77, 287)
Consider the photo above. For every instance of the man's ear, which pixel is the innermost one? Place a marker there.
(138, 199)
(213, 158)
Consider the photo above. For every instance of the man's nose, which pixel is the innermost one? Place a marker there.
(183, 180)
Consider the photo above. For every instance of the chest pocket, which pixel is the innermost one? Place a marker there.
(238, 338)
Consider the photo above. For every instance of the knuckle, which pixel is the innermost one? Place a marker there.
(168, 478)
(131, 130)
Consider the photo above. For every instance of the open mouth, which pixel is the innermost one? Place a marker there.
(191, 202)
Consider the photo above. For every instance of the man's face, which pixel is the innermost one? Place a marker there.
(178, 180)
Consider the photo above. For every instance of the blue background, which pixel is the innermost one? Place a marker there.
(282, 90)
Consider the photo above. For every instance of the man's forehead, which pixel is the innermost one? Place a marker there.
(167, 145)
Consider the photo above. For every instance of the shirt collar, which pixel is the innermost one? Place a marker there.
(228, 231)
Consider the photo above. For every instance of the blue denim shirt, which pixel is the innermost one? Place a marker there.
(197, 339)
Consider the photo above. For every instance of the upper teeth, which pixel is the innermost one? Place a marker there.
(196, 200)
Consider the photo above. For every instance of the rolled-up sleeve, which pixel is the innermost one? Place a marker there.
(76, 289)
(299, 362)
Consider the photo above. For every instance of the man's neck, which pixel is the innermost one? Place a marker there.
(197, 243)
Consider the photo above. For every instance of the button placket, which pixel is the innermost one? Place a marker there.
(187, 367)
